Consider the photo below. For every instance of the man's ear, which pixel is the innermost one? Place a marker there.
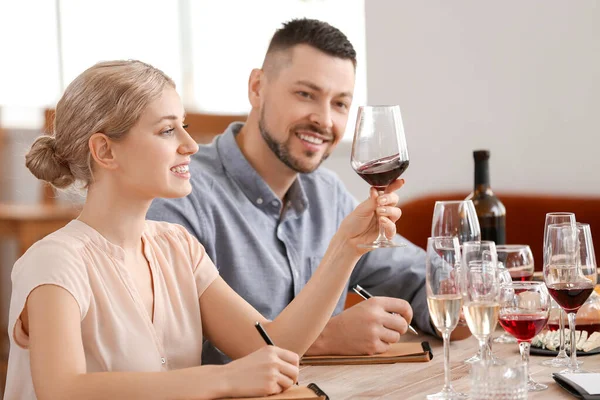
(102, 152)
(255, 83)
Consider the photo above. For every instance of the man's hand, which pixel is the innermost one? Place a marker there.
(367, 328)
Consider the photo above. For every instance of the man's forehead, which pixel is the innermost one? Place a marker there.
(308, 65)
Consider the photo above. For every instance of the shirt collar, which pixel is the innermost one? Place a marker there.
(251, 183)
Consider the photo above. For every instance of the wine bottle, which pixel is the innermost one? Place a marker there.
(490, 210)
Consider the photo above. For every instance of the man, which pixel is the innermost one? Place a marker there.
(266, 212)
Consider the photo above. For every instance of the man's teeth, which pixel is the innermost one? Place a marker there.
(310, 139)
(181, 169)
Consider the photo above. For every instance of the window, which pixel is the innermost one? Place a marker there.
(208, 47)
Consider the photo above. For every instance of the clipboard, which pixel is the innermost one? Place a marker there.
(397, 353)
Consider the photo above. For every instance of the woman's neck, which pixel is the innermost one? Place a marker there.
(120, 219)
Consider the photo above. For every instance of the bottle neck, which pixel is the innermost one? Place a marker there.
(482, 175)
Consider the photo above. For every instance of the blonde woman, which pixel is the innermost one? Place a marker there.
(115, 307)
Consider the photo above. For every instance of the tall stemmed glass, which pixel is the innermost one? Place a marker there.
(456, 218)
(517, 261)
(444, 299)
(524, 311)
(570, 273)
(379, 153)
(480, 291)
(561, 359)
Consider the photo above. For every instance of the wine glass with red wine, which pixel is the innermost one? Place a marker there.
(518, 260)
(570, 273)
(379, 153)
(524, 311)
(561, 359)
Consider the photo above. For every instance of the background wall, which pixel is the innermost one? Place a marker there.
(521, 78)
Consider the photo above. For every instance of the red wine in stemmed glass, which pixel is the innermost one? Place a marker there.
(570, 296)
(524, 326)
(380, 173)
(379, 153)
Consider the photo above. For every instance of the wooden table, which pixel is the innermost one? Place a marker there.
(416, 380)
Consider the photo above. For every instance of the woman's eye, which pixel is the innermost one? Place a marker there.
(185, 126)
(304, 94)
(168, 132)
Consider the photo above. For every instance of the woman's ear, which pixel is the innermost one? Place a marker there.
(102, 151)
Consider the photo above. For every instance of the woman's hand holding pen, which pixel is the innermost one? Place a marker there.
(361, 225)
(269, 370)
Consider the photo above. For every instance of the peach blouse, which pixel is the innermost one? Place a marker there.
(117, 332)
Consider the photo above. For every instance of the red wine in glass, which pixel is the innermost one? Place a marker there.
(521, 276)
(380, 173)
(523, 326)
(570, 296)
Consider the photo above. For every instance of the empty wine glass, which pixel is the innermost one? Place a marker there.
(379, 153)
(444, 299)
(456, 218)
(562, 359)
(524, 311)
(570, 273)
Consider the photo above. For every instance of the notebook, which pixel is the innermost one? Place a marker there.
(398, 352)
(583, 386)
(310, 392)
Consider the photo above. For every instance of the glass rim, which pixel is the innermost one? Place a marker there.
(379, 106)
(512, 247)
(524, 284)
(453, 201)
(560, 213)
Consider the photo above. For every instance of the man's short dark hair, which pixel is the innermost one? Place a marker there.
(315, 33)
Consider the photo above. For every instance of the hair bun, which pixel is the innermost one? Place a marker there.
(44, 163)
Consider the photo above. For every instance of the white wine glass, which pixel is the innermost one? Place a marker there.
(444, 299)
(379, 154)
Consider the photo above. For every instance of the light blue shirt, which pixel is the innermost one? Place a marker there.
(268, 256)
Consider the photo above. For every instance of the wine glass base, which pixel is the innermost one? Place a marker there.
(574, 371)
(558, 362)
(536, 387)
(381, 245)
(448, 395)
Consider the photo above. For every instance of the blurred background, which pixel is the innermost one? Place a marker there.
(520, 78)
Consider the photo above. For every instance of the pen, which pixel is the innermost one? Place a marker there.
(265, 336)
(366, 295)
(263, 333)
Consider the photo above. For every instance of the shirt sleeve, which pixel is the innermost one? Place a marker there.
(394, 272)
(47, 263)
(203, 268)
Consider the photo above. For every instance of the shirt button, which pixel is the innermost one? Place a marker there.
(295, 274)
(162, 360)
(259, 200)
(274, 203)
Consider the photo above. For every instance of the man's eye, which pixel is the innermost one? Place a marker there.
(304, 94)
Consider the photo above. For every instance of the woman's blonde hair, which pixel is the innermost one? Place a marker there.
(110, 98)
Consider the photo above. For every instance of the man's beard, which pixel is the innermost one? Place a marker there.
(281, 150)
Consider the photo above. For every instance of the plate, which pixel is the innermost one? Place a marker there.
(552, 353)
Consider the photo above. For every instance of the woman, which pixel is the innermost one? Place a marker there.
(115, 307)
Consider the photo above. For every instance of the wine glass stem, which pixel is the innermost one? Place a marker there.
(381, 237)
(561, 334)
(446, 337)
(573, 363)
(483, 349)
(524, 350)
